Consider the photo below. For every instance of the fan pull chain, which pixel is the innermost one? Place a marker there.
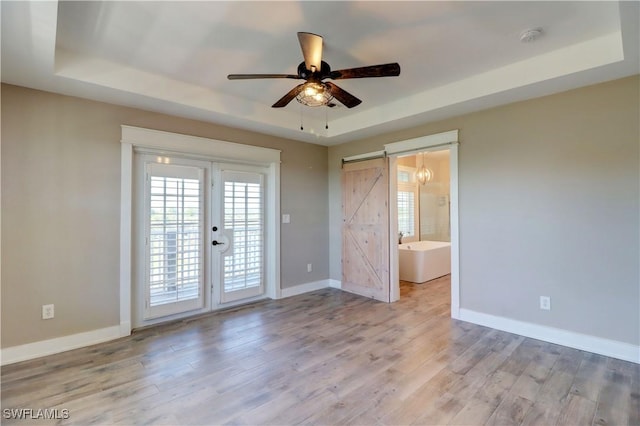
(326, 118)
(301, 124)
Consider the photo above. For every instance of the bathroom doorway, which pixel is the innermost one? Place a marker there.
(423, 176)
(423, 197)
(424, 226)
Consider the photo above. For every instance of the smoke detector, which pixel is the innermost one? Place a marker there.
(527, 36)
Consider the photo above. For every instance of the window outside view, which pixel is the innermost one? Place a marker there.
(174, 240)
(244, 218)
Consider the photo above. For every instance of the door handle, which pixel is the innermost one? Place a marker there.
(215, 243)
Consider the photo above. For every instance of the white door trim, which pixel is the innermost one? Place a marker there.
(211, 149)
(422, 143)
(444, 140)
(203, 148)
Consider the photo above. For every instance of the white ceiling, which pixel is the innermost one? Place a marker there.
(456, 57)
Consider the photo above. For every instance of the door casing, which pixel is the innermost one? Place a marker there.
(439, 141)
(141, 140)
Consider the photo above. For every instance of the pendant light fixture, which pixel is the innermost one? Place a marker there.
(424, 175)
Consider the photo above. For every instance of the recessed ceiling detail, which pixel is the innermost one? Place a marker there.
(457, 57)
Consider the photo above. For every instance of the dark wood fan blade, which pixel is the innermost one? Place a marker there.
(252, 76)
(284, 101)
(343, 96)
(384, 70)
(311, 45)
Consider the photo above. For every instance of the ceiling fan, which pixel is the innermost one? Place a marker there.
(315, 91)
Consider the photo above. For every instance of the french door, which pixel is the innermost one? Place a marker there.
(174, 216)
(201, 238)
(241, 254)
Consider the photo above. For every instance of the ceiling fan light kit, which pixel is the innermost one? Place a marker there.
(315, 91)
(314, 94)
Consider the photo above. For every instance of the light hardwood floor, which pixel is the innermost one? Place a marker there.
(329, 358)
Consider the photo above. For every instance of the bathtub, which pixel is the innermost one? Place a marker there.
(422, 261)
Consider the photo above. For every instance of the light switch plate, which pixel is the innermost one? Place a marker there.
(47, 311)
(545, 303)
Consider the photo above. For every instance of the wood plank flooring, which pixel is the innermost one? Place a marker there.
(327, 358)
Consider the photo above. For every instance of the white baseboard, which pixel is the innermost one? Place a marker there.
(33, 350)
(125, 328)
(598, 345)
(304, 288)
(335, 284)
(66, 343)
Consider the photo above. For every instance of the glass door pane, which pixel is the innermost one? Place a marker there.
(242, 263)
(174, 239)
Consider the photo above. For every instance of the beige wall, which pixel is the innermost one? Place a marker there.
(548, 189)
(60, 209)
(549, 205)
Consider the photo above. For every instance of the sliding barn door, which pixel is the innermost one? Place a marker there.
(365, 228)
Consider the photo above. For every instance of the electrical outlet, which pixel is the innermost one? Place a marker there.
(286, 218)
(545, 303)
(309, 267)
(47, 311)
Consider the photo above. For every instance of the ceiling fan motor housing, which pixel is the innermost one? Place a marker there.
(317, 75)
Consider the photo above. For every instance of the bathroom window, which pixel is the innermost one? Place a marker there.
(404, 176)
(407, 204)
(406, 216)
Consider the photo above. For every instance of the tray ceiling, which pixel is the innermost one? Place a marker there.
(456, 57)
